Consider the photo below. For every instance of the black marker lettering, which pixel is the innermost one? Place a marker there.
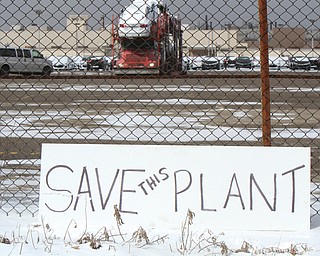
(151, 182)
(122, 190)
(253, 180)
(85, 177)
(104, 204)
(58, 190)
(293, 184)
(142, 187)
(176, 192)
(234, 179)
(201, 192)
(161, 171)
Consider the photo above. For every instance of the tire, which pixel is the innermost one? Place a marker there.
(4, 70)
(46, 71)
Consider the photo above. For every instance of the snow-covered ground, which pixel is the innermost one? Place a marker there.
(30, 236)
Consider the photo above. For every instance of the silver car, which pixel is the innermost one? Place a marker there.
(23, 61)
(211, 63)
(61, 63)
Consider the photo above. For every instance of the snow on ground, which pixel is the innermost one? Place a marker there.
(29, 236)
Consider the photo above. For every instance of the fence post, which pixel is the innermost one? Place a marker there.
(264, 74)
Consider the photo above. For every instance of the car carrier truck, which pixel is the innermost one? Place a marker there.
(146, 39)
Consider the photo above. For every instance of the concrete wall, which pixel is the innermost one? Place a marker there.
(76, 40)
(59, 43)
(210, 42)
(288, 38)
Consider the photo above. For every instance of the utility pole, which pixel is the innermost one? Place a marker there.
(312, 35)
(38, 12)
(77, 24)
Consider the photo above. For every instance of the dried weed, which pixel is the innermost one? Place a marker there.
(4, 240)
(118, 219)
(140, 236)
(186, 236)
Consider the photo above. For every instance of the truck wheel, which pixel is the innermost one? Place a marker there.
(46, 71)
(4, 70)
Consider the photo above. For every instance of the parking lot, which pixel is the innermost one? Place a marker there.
(194, 65)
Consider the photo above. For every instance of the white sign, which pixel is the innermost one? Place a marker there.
(252, 188)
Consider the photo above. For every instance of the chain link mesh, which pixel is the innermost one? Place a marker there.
(212, 96)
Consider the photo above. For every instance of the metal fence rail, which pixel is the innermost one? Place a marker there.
(201, 95)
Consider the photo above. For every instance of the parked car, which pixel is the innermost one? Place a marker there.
(113, 62)
(80, 62)
(278, 62)
(256, 61)
(186, 60)
(313, 62)
(98, 62)
(210, 63)
(299, 62)
(244, 62)
(229, 61)
(62, 63)
(23, 61)
(317, 63)
(196, 62)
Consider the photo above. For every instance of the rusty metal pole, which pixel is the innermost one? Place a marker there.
(264, 75)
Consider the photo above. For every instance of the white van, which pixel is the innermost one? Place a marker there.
(23, 61)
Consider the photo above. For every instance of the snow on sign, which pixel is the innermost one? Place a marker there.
(252, 188)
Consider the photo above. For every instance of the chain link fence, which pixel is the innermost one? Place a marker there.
(194, 79)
